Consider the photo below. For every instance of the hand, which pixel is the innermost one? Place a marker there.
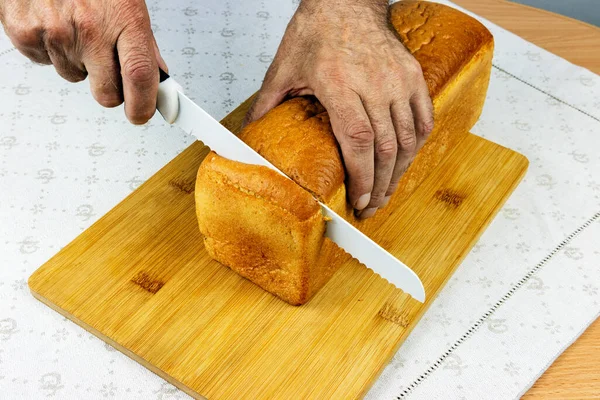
(346, 55)
(109, 40)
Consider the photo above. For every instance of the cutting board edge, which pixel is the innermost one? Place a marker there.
(117, 346)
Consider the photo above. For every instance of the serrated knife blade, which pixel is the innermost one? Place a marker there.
(179, 110)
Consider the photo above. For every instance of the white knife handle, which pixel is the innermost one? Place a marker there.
(167, 101)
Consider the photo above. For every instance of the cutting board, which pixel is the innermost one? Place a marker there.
(140, 279)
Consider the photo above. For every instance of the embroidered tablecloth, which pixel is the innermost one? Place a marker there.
(526, 291)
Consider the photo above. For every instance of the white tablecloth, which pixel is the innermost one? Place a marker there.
(526, 291)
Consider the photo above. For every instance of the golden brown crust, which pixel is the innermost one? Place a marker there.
(441, 38)
(260, 224)
(261, 182)
(297, 138)
(456, 109)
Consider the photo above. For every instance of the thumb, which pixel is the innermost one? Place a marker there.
(161, 61)
(270, 95)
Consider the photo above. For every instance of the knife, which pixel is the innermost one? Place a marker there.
(176, 108)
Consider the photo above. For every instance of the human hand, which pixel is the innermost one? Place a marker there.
(109, 40)
(346, 54)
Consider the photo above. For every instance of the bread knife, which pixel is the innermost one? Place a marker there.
(176, 108)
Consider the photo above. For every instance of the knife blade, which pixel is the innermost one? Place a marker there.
(176, 108)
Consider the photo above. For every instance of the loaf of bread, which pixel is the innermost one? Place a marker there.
(270, 229)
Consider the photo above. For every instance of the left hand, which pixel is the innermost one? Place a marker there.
(346, 54)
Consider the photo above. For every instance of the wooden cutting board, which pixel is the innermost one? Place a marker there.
(140, 279)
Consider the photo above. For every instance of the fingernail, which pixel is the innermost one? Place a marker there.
(386, 200)
(367, 212)
(362, 201)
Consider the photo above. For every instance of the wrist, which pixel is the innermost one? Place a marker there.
(375, 11)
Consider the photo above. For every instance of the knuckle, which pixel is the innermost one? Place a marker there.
(360, 135)
(386, 148)
(427, 125)
(408, 141)
(139, 69)
(24, 36)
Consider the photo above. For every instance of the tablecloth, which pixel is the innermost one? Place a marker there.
(527, 290)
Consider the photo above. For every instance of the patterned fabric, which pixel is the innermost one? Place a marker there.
(527, 290)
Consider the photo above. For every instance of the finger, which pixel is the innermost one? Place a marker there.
(58, 43)
(39, 56)
(65, 68)
(161, 61)
(403, 121)
(265, 101)
(105, 77)
(386, 148)
(139, 72)
(422, 110)
(354, 133)
(270, 95)
(28, 41)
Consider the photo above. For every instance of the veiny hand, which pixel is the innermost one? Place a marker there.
(109, 40)
(345, 53)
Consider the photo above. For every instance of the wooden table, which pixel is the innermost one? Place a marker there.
(574, 375)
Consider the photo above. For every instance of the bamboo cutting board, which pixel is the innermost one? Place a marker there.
(140, 279)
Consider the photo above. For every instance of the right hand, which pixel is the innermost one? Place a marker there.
(109, 40)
